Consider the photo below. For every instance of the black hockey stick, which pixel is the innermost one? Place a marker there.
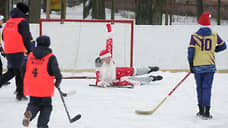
(127, 86)
(75, 118)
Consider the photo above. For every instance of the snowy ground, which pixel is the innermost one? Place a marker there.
(115, 107)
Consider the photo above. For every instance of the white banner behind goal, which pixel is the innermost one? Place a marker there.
(77, 44)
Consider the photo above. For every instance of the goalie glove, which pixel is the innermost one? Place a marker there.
(2, 52)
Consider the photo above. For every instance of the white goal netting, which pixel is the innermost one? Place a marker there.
(77, 43)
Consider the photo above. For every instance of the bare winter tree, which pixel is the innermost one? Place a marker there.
(4, 8)
(219, 13)
(149, 11)
(199, 8)
(63, 9)
(157, 12)
(112, 11)
(34, 12)
(97, 6)
(166, 13)
(143, 11)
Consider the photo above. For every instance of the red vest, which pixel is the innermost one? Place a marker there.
(13, 41)
(37, 81)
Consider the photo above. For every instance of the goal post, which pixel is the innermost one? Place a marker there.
(77, 42)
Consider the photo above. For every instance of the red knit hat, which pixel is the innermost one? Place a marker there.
(205, 19)
(104, 54)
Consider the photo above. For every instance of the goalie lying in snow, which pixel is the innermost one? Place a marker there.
(108, 74)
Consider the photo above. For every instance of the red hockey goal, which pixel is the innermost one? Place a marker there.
(77, 42)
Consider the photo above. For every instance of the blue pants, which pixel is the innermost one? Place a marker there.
(42, 105)
(204, 83)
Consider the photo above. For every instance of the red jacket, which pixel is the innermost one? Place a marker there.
(13, 41)
(37, 81)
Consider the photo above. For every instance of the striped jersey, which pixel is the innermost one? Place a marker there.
(205, 48)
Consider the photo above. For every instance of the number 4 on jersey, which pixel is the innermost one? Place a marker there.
(34, 72)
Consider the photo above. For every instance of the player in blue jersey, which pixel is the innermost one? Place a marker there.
(201, 57)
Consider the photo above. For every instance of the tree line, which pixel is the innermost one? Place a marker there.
(147, 12)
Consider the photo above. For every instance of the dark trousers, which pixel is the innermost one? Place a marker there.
(204, 84)
(42, 105)
(1, 67)
(9, 75)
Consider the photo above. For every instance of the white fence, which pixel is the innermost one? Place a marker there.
(164, 46)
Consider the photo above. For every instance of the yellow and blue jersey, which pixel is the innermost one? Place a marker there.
(204, 48)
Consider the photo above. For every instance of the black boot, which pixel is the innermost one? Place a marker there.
(153, 69)
(155, 78)
(21, 97)
(206, 114)
(201, 111)
(4, 84)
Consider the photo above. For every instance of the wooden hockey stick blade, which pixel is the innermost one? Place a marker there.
(77, 117)
(79, 77)
(170, 93)
(149, 112)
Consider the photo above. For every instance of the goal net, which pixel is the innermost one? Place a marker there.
(77, 43)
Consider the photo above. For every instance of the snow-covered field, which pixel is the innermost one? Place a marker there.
(115, 107)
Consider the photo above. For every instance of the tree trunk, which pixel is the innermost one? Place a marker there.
(166, 13)
(113, 11)
(199, 8)
(171, 12)
(157, 12)
(34, 13)
(98, 11)
(48, 8)
(11, 4)
(84, 9)
(143, 12)
(4, 9)
(63, 9)
(219, 13)
(97, 6)
(87, 5)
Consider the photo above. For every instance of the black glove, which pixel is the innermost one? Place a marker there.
(98, 62)
(2, 52)
(57, 83)
(191, 66)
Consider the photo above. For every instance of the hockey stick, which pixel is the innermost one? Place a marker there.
(79, 77)
(170, 93)
(94, 85)
(77, 117)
